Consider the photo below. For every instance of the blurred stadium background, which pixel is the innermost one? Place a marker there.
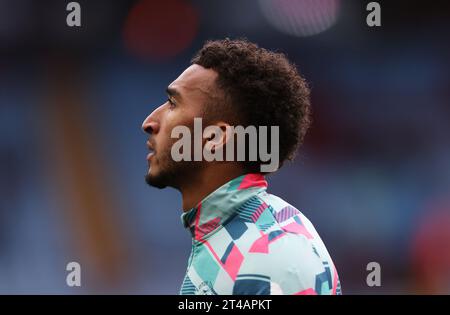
(373, 176)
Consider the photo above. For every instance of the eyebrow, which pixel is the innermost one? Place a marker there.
(172, 92)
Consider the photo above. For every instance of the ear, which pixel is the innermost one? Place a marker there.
(217, 136)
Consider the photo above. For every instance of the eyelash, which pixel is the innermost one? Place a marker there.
(172, 104)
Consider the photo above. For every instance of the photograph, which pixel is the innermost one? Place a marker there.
(227, 148)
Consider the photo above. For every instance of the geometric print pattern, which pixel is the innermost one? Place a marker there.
(247, 241)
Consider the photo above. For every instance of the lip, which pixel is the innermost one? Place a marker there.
(151, 149)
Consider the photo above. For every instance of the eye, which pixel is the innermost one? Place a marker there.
(171, 102)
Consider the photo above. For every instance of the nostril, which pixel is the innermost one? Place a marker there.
(148, 129)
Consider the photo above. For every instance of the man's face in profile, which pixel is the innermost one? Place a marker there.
(187, 96)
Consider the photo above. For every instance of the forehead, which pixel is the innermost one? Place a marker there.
(195, 83)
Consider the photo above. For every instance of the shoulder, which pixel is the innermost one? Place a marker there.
(287, 265)
(270, 247)
(284, 254)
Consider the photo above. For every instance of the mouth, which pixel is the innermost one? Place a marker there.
(151, 150)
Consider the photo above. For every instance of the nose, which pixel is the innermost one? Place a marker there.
(151, 123)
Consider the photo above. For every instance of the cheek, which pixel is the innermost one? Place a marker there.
(164, 137)
(165, 133)
(172, 119)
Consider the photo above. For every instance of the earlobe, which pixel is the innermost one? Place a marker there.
(214, 142)
(224, 128)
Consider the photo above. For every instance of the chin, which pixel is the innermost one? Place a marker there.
(155, 181)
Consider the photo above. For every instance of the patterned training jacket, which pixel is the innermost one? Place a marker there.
(247, 241)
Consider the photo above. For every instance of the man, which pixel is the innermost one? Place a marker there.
(244, 240)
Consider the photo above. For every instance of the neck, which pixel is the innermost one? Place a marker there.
(207, 181)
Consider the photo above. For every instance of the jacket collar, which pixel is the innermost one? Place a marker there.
(216, 208)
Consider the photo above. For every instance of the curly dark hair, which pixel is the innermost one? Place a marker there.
(260, 88)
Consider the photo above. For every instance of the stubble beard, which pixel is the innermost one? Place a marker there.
(170, 173)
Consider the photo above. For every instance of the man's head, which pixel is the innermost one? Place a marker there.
(186, 98)
(230, 82)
